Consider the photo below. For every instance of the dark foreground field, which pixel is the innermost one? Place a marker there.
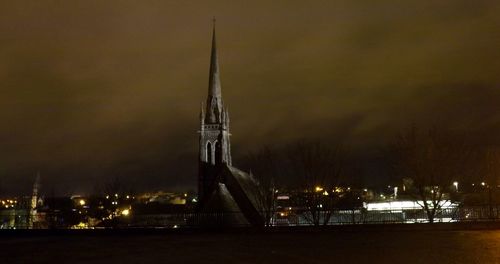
(330, 246)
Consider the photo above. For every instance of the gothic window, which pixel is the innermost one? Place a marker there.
(218, 154)
(209, 152)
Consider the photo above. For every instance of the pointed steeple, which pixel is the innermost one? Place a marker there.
(226, 110)
(214, 100)
(36, 187)
(202, 115)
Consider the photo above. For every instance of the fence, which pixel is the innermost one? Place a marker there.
(305, 218)
(357, 216)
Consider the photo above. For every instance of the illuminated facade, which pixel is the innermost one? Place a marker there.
(34, 201)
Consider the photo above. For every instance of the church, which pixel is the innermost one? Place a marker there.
(222, 188)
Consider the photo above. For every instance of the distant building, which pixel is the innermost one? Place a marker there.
(33, 216)
(163, 198)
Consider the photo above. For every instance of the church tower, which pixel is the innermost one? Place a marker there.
(34, 202)
(214, 145)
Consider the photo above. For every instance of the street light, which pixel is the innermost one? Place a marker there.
(456, 186)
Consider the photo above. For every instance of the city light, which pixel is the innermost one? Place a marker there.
(456, 186)
(82, 202)
(126, 212)
(402, 205)
(8, 204)
(318, 189)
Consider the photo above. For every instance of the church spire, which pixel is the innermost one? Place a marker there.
(214, 100)
(214, 145)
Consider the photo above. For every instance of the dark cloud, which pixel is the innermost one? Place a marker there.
(97, 89)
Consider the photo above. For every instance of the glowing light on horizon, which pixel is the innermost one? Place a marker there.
(401, 205)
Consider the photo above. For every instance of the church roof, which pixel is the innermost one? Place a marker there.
(237, 195)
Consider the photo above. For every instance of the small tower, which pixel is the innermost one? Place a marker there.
(34, 201)
(214, 145)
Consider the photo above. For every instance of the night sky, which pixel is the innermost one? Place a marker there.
(92, 90)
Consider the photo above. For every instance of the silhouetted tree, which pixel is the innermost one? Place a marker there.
(317, 169)
(429, 163)
(490, 171)
(107, 199)
(265, 169)
(113, 186)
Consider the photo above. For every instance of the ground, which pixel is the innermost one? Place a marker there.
(373, 246)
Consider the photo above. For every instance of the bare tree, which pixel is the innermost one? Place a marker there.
(114, 186)
(317, 168)
(490, 171)
(265, 169)
(430, 162)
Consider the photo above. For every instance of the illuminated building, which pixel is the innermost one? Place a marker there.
(34, 201)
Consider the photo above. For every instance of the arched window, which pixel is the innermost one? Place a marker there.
(209, 152)
(218, 154)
